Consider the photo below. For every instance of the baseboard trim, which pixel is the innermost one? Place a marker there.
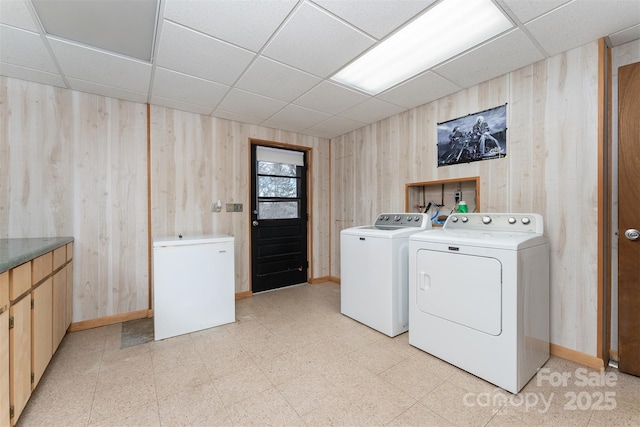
(323, 279)
(332, 279)
(243, 295)
(613, 355)
(109, 320)
(576, 356)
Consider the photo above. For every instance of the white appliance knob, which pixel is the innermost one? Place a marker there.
(397, 217)
(512, 220)
(454, 219)
(465, 219)
(526, 220)
(409, 218)
(486, 219)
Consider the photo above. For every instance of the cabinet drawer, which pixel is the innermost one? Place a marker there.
(59, 257)
(42, 267)
(19, 280)
(4, 291)
(69, 251)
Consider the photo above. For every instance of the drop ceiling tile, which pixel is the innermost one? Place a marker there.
(250, 104)
(376, 17)
(580, 22)
(331, 98)
(236, 117)
(109, 91)
(336, 126)
(625, 36)
(270, 78)
(248, 23)
(31, 75)
(16, 14)
(298, 116)
(25, 49)
(196, 54)
(188, 89)
(123, 27)
(99, 67)
(316, 42)
(525, 11)
(509, 52)
(420, 90)
(182, 106)
(282, 126)
(371, 111)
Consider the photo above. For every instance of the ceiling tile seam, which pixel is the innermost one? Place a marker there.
(257, 55)
(45, 41)
(156, 47)
(351, 25)
(522, 26)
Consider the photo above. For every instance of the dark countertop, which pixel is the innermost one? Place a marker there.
(14, 252)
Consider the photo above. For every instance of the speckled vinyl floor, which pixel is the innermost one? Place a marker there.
(291, 359)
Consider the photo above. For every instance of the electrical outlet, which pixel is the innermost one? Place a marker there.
(458, 195)
(237, 207)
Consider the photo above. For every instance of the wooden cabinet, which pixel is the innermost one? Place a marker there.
(20, 355)
(37, 313)
(42, 329)
(4, 349)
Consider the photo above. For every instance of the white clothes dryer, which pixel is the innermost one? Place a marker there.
(374, 271)
(479, 295)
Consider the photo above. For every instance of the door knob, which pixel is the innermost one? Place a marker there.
(255, 223)
(632, 234)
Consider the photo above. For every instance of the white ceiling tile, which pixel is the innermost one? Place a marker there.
(91, 65)
(31, 75)
(371, 111)
(509, 52)
(236, 117)
(16, 14)
(336, 126)
(298, 116)
(580, 22)
(625, 36)
(182, 106)
(424, 88)
(250, 104)
(26, 49)
(316, 42)
(282, 126)
(525, 11)
(331, 98)
(375, 17)
(269, 78)
(189, 52)
(248, 23)
(123, 27)
(111, 92)
(188, 89)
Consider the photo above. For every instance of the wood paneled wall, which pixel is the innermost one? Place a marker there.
(197, 160)
(550, 168)
(74, 164)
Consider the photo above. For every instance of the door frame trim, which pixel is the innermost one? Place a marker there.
(308, 165)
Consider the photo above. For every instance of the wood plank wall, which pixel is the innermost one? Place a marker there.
(550, 168)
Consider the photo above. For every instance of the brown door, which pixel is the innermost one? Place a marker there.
(629, 219)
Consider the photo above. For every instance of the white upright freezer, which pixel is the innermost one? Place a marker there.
(193, 284)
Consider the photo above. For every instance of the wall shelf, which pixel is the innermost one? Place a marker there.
(418, 195)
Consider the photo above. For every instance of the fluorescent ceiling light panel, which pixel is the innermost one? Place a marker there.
(444, 31)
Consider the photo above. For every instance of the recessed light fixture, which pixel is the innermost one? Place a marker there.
(442, 32)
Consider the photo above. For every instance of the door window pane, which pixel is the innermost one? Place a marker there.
(272, 186)
(278, 210)
(282, 169)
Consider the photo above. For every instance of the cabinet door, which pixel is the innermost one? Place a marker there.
(4, 368)
(42, 329)
(59, 307)
(20, 355)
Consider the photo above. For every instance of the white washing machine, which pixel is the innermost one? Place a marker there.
(479, 295)
(374, 271)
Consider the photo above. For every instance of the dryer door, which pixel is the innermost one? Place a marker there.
(461, 288)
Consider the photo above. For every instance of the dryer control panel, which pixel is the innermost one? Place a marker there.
(514, 222)
(403, 220)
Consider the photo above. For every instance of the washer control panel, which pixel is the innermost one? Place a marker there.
(402, 220)
(517, 222)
